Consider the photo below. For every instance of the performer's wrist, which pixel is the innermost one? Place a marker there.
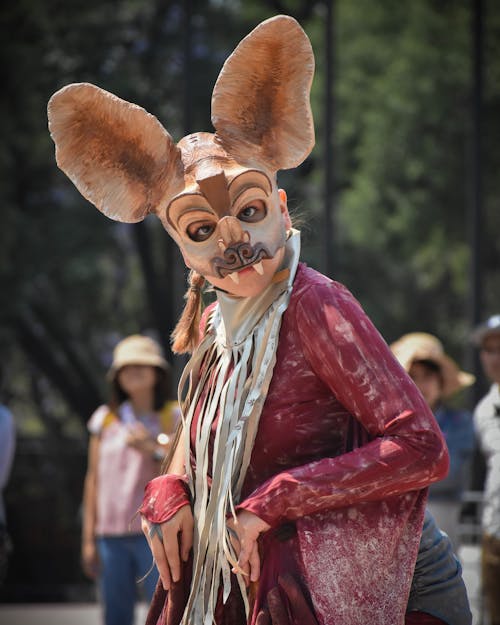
(163, 497)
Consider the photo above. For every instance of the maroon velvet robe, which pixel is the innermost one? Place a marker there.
(345, 449)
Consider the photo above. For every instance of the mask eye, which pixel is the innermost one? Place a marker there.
(199, 231)
(253, 212)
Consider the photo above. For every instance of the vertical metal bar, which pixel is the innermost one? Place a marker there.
(475, 307)
(329, 221)
(187, 99)
(474, 222)
(179, 269)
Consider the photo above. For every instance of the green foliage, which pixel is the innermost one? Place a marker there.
(403, 142)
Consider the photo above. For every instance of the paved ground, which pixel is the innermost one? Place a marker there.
(89, 614)
(58, 614)
(469, 556)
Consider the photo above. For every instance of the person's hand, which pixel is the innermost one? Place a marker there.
(247, 526)
(90, 559)
(167, 551)
(140, 438)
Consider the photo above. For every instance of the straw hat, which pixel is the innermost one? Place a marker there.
(488, 327)
(418, 346)
(137, 350)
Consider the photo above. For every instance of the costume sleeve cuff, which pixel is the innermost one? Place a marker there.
(163, 497)
(265, 508)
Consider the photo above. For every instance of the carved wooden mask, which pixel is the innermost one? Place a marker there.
(215, 193)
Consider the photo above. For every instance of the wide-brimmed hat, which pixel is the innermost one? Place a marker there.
(488, 327)
(420, 346)
(137, 350)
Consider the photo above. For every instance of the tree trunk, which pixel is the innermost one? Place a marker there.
(41, 351)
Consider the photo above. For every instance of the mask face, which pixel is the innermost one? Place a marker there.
(215, 193)
(229, 221)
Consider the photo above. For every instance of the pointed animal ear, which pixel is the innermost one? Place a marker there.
(118, 155)
(260, 103)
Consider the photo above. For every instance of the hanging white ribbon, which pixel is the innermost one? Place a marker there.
(233, 365)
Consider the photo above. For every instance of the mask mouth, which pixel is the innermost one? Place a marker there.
(240, 256)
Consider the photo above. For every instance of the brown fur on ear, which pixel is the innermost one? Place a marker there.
(260, 103)
(186, 333)
(117, 154)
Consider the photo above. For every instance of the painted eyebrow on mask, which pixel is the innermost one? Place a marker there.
(264, 184)
(185, 203)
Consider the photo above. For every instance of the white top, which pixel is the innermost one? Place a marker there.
(487, 423)
(122, 470)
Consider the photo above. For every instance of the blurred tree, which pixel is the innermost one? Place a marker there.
(491, 159)
(404, 123)
(73, 280)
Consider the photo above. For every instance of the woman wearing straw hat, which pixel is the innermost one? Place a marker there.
(438, 378)
(128, 439)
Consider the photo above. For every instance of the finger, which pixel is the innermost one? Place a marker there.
(246, 550)
(186, 539)
(161, 562)
(235, 539)
(254, 561)
(155, 530)
(171, 547)
(154, 537)
(145, 529)
(243, 565)
(89, 570)
(244, 571)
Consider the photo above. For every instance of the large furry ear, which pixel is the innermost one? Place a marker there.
(260, 103)
(118, 155)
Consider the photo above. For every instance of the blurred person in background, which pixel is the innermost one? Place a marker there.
(438, 378)
(129, 438)
(486, 336)
(7, 448)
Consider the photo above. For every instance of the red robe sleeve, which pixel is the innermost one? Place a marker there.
(163, 497)
(406, 451)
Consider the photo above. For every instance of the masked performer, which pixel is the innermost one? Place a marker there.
(297, 490)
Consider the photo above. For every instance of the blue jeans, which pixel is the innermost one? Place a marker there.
(437, 587)
(124, 561)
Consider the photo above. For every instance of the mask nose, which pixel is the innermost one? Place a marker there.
(231, 233)
(234, 243)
